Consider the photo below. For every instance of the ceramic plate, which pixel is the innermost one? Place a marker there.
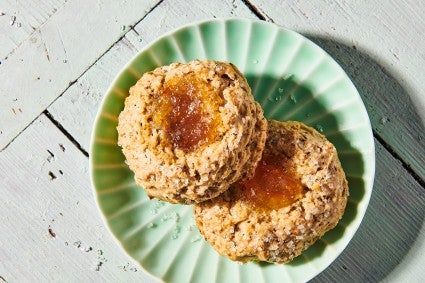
(293, 79)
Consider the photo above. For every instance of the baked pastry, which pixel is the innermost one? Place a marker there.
(298, 193)
(188, 131)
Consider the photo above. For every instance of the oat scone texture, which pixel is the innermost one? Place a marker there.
(241, 233)
(172, 174)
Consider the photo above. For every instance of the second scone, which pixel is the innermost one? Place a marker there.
(188, 131)
(298, 193)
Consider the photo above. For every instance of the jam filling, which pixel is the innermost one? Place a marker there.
(188, 111)
(273, 186)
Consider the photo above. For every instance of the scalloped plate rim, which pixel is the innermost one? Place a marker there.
(370, 178)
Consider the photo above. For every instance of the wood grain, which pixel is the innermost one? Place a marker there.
(21, 19)
(379, 48)
(46, 64)
(172, 14)
(76, 109)
(51, 229)
(66, 214)
(65, 54)
(393, 224)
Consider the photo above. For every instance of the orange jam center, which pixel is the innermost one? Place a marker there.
(273, 186)
(188, 111)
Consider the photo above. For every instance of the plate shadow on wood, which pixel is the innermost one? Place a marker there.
(389, 104)
(396, 213)
(129, 213)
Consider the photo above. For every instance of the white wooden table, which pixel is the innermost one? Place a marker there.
(58, 58)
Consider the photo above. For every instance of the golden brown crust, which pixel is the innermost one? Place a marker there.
(242, 233)
(178, 176)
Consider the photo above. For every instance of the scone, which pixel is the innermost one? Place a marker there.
(188, 131)
(298, 193)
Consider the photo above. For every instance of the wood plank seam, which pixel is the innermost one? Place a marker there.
(262, 16)
(135, 24)
(386, 79)
(257, 11)
(26, 127)
(399, 158)
(71, 83)
(66, 133)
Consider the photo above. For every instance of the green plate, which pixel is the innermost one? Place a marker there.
(293, 79)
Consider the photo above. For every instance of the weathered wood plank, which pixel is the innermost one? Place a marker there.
(171, 14)
(61, 202)
(382, 52)
(393, 226)
(393, 229)
(76, 109)
(411, 269)
(19, 19)
(394, 117)
(51, 229)
(43, 66)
